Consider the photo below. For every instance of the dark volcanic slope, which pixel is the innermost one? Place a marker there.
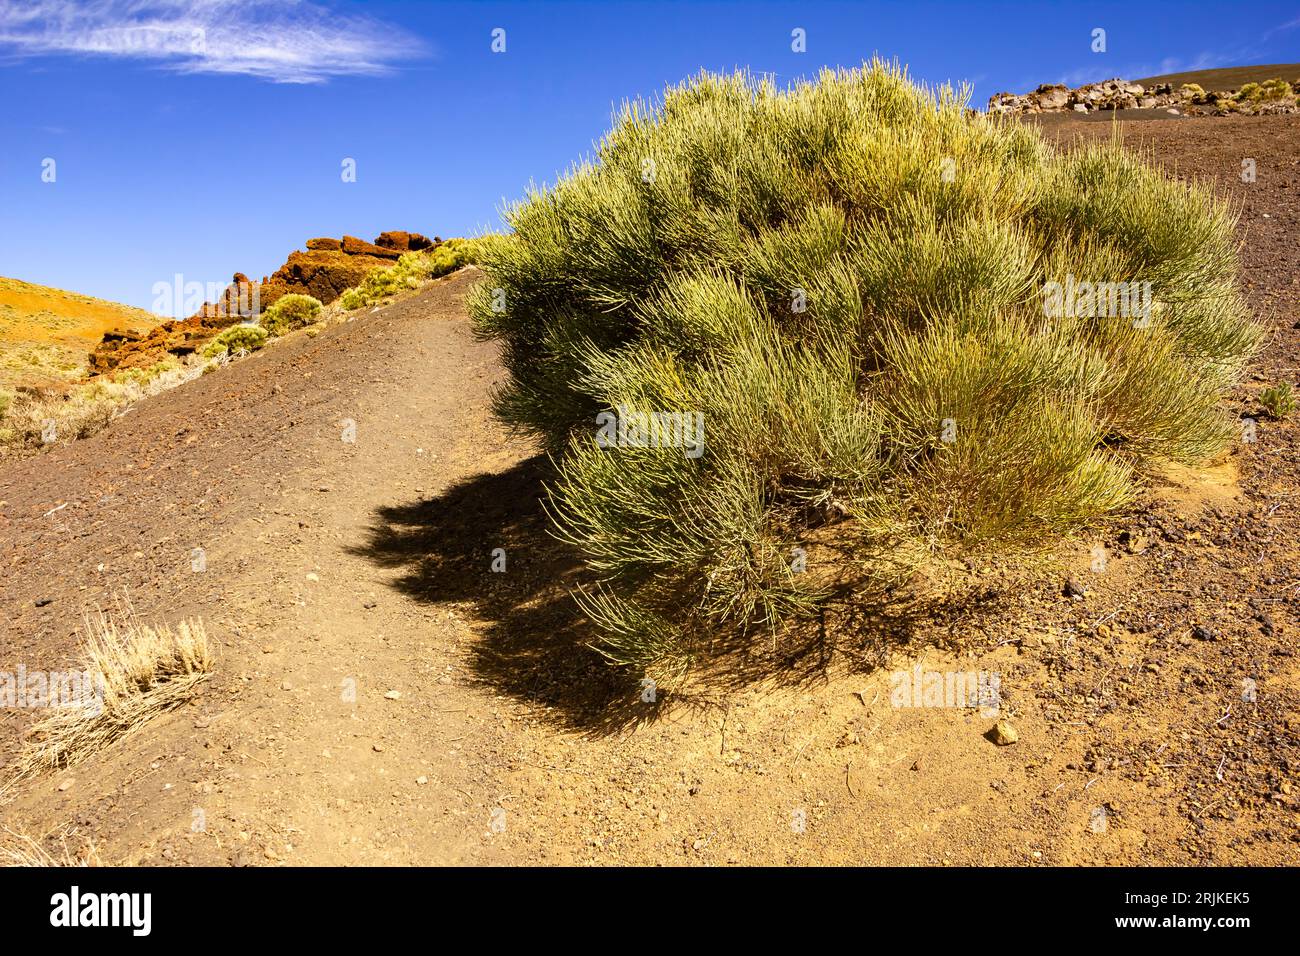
(1226, 78)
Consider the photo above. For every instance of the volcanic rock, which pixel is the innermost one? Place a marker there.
(324, 271)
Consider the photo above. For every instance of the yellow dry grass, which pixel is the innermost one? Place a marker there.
(138, 671)
(19, 849)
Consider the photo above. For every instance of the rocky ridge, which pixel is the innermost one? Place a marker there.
(323, 271)
(1273, 98)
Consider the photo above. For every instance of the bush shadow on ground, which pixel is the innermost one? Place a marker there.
(535, 644)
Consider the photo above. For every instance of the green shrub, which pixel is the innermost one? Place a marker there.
(290, 312)
(848, 280)
(450, 255)
(247, 338)
(1275, 89)
(1278, 400)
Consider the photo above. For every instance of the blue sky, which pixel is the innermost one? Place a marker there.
(207, 137)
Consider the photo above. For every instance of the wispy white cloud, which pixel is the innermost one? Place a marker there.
(292, 41)
(1281, 28)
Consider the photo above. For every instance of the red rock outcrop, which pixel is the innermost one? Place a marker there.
(406, 241)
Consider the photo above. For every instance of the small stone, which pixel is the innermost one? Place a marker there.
(268, 649)
(1003, 734)
(1203, 633)
(1073, 590)
(422, 780)
(393, 695)
(368, 605)
(378, 748)
(285, 685)
(313, 576)
(42, 602)
(66, 784)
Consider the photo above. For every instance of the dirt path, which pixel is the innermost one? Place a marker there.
(275, 468)
(383, 696)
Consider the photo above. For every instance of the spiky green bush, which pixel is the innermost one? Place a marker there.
(1278, 400)
(1256, 93)
(289, 312)
(847, 280)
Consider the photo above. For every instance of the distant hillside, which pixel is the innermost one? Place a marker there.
(47, 334)
(1227, 78)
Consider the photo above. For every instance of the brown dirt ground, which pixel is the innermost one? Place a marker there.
(1136, 745)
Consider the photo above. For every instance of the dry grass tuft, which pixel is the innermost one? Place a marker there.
(18, 849)
(139, 671)
(31, 422)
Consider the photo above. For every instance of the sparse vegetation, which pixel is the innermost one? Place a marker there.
(1278, 400)
(19, 849)
(1274, 89)
(38, 418)
(290, 312)
(139, 672)
(45, 333)
(1251, 96)
(237, 338)
(846, 280)
(142, 376)
(410, 270)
